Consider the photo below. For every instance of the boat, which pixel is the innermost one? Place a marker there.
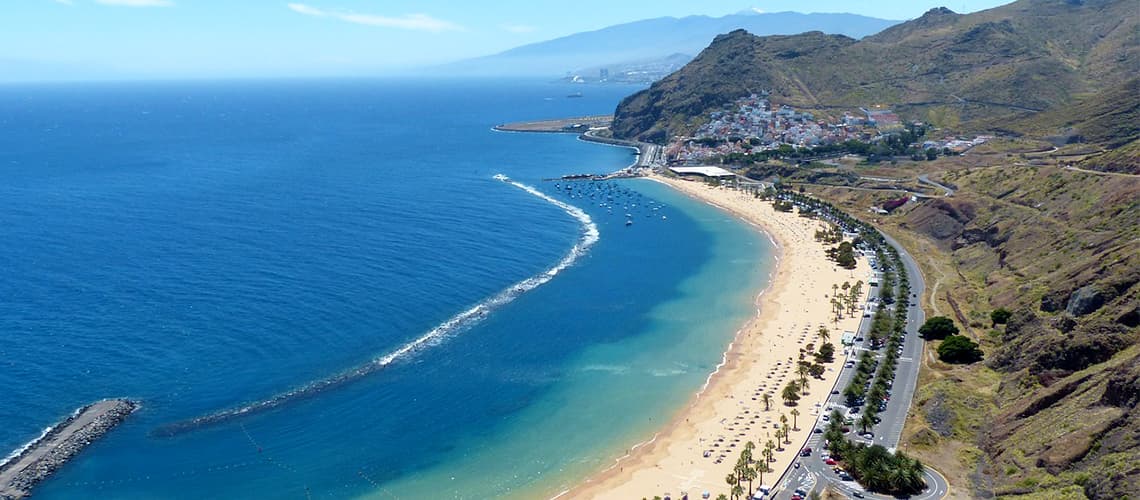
(629, 222)
(576, 94)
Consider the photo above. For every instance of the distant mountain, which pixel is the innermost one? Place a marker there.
(1026, 56)
(653, 39)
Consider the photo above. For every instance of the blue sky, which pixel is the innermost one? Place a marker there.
(79, 39)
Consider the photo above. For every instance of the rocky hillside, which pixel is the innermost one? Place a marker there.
(1024, 57)
(1059, 248)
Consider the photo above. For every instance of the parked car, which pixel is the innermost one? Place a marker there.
(830, 461)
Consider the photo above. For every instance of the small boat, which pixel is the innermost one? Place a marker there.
(628, 222)
(574, 95)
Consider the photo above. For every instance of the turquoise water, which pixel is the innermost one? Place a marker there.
(204, 247)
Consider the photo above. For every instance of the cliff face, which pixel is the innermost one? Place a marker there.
(1027, 56)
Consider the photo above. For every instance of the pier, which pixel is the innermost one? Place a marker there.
(576, 125)
(42, 457)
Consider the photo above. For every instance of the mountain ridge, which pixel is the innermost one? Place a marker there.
(1023, 57)
(653, 38)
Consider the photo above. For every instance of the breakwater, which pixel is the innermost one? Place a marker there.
(575, 125)
(37, 460)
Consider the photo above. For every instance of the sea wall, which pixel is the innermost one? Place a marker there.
(42, 457)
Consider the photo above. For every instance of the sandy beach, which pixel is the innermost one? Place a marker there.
(701, 444)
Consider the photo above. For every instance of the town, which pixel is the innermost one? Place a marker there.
(752, 125)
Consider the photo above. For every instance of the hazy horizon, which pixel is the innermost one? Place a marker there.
(77, 40)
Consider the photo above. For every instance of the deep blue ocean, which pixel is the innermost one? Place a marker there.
(201, 246)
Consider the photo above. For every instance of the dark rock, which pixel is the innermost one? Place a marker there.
(1065, 323)
(1131, 318)
(939, 415)
(1123, 387)
(1085, 300)
(1054, 301)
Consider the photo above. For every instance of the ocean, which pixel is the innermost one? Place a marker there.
(339, 257)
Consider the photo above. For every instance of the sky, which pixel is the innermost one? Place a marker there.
(141, 39)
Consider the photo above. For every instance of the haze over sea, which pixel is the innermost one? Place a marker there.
(203, 246)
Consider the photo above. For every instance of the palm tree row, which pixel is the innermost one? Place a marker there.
(748, 469)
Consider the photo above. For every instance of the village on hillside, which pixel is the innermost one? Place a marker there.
(753, 124)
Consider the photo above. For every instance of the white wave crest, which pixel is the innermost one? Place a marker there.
(434, 336)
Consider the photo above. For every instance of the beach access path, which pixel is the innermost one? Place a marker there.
(701, 444)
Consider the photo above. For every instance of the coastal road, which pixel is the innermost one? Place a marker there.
(813, 474)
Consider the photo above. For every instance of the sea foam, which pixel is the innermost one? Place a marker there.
(589, 236)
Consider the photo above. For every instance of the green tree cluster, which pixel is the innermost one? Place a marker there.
(844, 255)
(1000, 316)
(959, 349)
(938, 327)
(876, 468)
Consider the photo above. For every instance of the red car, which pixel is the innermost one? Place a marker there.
(830, 461)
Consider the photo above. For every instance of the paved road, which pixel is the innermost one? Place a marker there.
(813, 473)
(926, 180)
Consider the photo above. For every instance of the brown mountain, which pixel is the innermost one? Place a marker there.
(1024, 57)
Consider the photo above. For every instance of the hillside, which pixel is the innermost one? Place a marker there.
(653, 39)
(1054, 409)
(1058, 248)
(1109, 119)
(1024, 57)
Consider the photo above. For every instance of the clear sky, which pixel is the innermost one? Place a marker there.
(80, 39)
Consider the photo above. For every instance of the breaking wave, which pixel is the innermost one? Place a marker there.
(589, 236)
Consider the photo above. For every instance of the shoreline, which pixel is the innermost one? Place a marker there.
(682, 456)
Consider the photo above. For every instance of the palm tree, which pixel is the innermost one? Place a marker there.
(738, 491)
(767, 401)
(761, 469)
(867, 420)
(791, 394)
(722, 496)
(731, 480)
(749, 475)
(803, 371)
(768, 447)
(786, 437)
(795, 413)
(783, 419)
(834, 289)
(824, 334)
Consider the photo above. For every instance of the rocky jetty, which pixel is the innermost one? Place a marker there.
(40, 458)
